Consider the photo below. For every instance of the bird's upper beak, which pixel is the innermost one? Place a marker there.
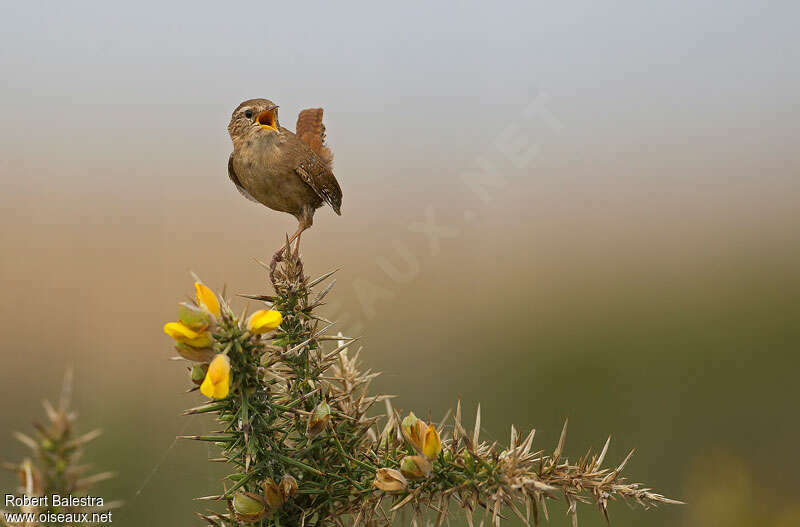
(268, 119)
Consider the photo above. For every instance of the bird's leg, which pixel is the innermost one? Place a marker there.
(297, 245)
(306, 220)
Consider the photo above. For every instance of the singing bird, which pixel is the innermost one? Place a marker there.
(287, 172)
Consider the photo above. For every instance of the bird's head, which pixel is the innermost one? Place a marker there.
(254, 115)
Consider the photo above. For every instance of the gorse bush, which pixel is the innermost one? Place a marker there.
(304, 448)
(54, 484)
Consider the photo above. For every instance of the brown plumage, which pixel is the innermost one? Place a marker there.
(286, 172)
(311, 130)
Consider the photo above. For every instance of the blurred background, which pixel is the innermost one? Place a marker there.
(574, 210)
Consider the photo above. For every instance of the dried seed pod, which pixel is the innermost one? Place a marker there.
(249, 507)
(318, 419)
(272, 493)
(390, 480)
(415, 467)
(194, 354)
(197, 373)
(288, 487)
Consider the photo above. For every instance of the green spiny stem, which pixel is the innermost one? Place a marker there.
(285, 386)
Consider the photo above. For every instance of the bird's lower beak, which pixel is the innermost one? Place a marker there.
(268, 119)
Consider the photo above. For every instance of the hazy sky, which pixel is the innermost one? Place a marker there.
(134, 79)
(682, 113)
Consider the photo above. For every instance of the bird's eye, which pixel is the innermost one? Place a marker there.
(248, 114)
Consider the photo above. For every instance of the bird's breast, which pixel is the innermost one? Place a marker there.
(268, 174)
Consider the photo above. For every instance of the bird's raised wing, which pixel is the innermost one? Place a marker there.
(235, 179)
(319, 177)
(311, 131)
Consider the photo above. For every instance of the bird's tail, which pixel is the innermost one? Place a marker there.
(311, 131)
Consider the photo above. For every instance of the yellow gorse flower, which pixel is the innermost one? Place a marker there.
(423, 437)
(263, 321)
(217, 383)
(192, 331)
(206, 298)
(413, 430)
(432, 444)
(186, 335)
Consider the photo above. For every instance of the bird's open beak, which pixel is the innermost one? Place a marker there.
(268, 119)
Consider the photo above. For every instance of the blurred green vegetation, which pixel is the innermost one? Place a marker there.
(706, 396)
(681, 343)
